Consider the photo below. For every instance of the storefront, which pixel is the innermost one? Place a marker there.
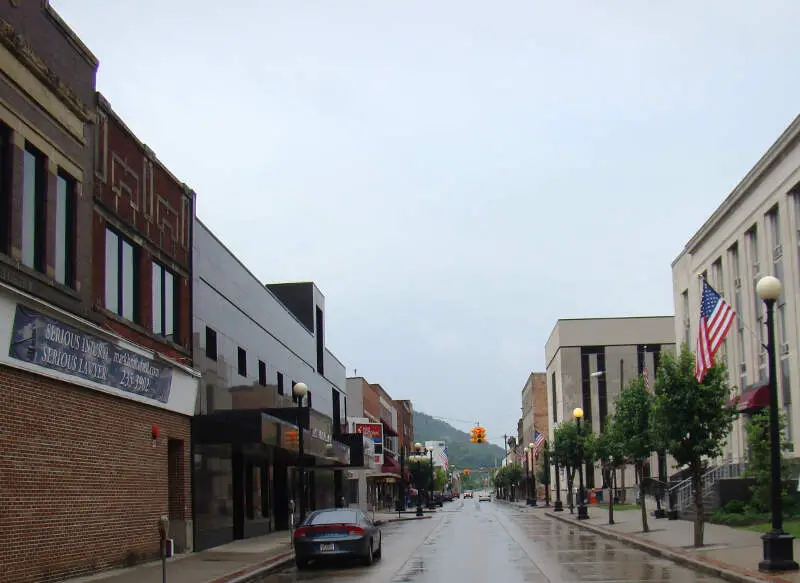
(95, 439)
(245, 471)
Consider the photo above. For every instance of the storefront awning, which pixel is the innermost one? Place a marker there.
(253, 426)
(753, 398)
(391, 466)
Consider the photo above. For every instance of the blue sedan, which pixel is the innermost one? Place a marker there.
(336, 533)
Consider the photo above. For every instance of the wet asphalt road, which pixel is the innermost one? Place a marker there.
(469, 541)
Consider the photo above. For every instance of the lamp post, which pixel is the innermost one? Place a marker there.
(583, 513)
(533, 477)
(778, 545)
(559, 505)
(527, 478)
(431, 504)
(300, 390)
(418, 459)
(547, 467)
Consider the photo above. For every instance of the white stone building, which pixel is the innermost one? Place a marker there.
(753, 233)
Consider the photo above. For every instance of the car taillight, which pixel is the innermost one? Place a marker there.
(300, 532)
(355, 530)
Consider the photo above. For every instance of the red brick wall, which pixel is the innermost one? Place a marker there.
(82, 484)
(372, 404)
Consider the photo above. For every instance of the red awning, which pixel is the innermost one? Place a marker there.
(753, 398)
(390, 466)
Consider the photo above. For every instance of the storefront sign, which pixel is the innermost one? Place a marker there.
(46, 342)
(320, 434)
(375, 432)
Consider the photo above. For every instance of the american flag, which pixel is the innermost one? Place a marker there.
(538, 440)
(716, 317)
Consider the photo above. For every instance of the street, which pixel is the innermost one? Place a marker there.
(471, 541)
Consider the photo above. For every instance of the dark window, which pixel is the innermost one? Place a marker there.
(121, 276)
(165, 303)
(5, 188)
(262, 373)
(308, 399)
(34, 202)
(211, 343)
(242, 358)
(337, 412)
(66, 200)
(320, 342)
(333, 517)
(280, 383)
(555, 401)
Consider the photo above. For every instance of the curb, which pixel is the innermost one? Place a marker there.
(254, 572)
(708, 566)
(408, 518)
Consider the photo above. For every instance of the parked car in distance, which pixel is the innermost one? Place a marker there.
(484, 497)
(468, 494)
(337, 533)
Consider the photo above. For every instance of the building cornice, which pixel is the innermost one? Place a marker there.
(19, 47)
(773, 156)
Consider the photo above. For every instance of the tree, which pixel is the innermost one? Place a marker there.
(633, 414)
(439, 480)
(691, 419)
(571, 447)
(609, 451)
(759, 465)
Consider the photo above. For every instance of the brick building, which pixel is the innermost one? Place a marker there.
(405, 425)
(94, 410)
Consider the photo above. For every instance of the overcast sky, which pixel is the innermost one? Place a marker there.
(454, 176)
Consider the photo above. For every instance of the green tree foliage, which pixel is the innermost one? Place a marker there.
(692, 420)
(440, 480)
(633, 414)
(572, 446)
(759, 465)
(508, 476)
(611, 454)
(420, 473)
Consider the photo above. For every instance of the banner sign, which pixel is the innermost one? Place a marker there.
(46, 342)
(375, 432)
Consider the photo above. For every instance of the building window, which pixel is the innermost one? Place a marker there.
(752, 248)
(5, 188)
(34, 215)
(165, 304)
(121, 276)
(242, 361)
(66, 201)
(280, 383)
(211, 343)
(262, 373)
(555, 400)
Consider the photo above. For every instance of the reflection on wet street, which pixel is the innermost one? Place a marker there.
(470, 541)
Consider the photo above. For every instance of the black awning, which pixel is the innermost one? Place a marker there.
(254, 426)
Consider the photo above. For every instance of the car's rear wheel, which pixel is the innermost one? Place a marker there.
(369, 558)
(301, 563)
(379, 552)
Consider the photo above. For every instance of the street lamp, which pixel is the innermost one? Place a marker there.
(778, 545)
(583, 513)
(533, 477)
(300, 390)
(418, 458)
(527, 478)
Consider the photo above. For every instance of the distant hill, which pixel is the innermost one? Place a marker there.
(461, 452)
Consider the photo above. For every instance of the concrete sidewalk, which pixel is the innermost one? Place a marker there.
(728, 552)
(235, 562)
